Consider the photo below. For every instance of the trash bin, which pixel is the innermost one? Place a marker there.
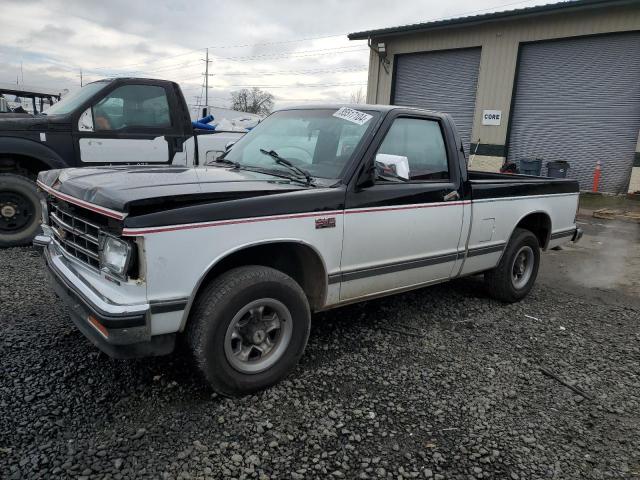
(530, 166)
(557, 169)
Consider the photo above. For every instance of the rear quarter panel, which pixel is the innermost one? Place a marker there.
(497, 208)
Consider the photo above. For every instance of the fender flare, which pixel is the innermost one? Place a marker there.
(522, 218)
(30, 148)
(226, 254)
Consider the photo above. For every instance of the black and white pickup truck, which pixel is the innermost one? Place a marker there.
(313, 209)
(114, 121)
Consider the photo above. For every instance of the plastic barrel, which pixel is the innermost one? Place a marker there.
(531, 166)
(557, 169)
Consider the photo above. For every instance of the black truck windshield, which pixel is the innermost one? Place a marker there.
(74, 99)
(318, 141)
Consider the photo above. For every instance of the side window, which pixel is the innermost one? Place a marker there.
(132, 107)
(421, 142)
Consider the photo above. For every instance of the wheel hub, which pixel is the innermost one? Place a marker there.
(17, 212)
(522, 267)
(258, 335)
(8, 210)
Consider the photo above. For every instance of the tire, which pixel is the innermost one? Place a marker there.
(503, 282)
(220, 334)
(20, 210)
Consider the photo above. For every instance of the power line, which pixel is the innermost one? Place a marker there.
(358, 68)
(282, 42)
(302, 53)
(177, 66)
(306, 85)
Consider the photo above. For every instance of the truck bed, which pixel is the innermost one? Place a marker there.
(491, 185)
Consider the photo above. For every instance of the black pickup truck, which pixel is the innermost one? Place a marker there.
(313, 209)
(115, 121)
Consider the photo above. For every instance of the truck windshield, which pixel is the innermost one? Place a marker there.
(318, 141)
(74, 99)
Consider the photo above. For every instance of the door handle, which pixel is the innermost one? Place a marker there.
(451, 196)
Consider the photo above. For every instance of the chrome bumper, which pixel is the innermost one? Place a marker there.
(121, 331)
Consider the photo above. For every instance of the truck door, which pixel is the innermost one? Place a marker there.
(130, 124)
(403, 232)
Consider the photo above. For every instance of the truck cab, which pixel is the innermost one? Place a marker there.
(109, 122)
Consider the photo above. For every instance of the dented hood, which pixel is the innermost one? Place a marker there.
(125, 188)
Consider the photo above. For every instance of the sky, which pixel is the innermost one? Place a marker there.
(297, 50)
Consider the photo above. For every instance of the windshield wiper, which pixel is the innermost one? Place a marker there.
(283, 161)
(221, 159)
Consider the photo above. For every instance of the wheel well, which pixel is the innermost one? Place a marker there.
(299, 261)
(22, 165)
(539, 224)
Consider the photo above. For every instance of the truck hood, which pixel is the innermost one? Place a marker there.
(146, 189)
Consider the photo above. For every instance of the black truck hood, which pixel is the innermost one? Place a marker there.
(146, 189)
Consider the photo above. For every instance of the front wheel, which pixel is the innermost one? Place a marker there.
(20, 210)
(516, 273)
(248, 329)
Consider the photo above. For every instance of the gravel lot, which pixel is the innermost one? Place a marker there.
(438, 383)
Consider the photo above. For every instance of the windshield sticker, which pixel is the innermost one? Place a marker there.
(353, 116)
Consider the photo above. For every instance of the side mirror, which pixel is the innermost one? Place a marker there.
(228, 146)
(394, 166)
(85, 123)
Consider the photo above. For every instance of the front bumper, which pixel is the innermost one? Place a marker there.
(121, 331)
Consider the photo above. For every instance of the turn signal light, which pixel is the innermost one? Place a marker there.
(101, 328)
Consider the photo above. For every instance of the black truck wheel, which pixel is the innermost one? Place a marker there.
(248, 329)
(20, 210)
(516, 273)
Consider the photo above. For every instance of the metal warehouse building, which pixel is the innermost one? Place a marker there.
(555, 82)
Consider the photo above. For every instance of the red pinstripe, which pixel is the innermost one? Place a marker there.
(81, 203)
(135, 232)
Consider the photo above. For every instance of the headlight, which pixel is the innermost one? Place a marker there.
(115, 255)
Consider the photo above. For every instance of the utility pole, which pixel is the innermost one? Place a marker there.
(81, 77)
(206, 84)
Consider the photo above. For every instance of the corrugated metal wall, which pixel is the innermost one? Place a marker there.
(579, 100)
(444, 81)
(499, 42)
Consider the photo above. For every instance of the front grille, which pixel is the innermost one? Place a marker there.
(75, 234)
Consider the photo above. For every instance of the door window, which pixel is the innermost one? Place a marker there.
(420, 141)
(133, 107)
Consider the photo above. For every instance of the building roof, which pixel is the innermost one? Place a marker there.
(566, 6)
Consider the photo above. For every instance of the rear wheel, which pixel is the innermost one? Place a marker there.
(248, 329)
(20, 210)
(516, 273)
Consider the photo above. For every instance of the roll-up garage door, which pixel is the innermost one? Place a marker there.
(444, 81)
(579, 100)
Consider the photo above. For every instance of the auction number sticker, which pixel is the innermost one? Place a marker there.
(353, 116)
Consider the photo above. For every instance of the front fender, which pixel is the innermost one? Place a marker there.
(30, 148)
(222, 256)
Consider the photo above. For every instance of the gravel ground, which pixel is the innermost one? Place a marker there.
(438, 383)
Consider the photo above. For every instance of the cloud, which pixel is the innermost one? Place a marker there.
(251, 42)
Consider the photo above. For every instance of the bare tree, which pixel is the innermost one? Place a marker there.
(358, 96)
(252, 100)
